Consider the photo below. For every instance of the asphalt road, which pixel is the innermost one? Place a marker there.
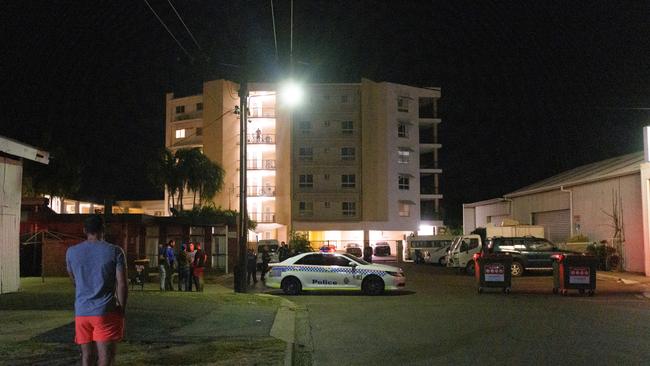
(440, 319)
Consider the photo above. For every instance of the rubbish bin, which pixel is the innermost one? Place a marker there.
(141, 273)
(493, 270)
(574, 272)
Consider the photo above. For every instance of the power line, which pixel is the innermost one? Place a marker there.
(168, 31)
(275, 37)
(184, 25)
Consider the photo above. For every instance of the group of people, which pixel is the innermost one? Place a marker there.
(189, 261)
(252, 265)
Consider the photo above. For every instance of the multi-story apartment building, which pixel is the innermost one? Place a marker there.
(354, 162)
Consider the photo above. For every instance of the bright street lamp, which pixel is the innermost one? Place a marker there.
(291, 93)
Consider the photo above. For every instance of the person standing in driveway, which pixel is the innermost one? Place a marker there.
(98, 272)
(266, 258)
(251, 265)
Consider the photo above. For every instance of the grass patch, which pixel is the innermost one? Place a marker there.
(213, 327)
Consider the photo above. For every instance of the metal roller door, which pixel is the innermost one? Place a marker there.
(557, 224)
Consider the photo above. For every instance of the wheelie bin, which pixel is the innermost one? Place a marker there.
(493, 270)
(574, 272)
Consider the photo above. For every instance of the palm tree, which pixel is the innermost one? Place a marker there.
(189, 162)
(211, 180)
(168, 175)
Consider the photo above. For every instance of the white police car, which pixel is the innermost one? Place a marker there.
(333, 271)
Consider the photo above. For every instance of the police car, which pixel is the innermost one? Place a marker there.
(333, 271)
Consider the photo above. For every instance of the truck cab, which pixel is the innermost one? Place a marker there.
(462, 252)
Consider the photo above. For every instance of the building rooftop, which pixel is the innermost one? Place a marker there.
(601, 170)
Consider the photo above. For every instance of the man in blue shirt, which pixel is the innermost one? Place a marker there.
(98, 272)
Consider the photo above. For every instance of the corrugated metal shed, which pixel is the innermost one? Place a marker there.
(606, 169)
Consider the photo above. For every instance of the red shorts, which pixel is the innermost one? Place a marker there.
(104, 328)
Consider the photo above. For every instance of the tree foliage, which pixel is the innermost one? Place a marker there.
(60, 178)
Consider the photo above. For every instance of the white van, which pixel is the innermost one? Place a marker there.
(428, 248)
(272, 245)
(462, 252)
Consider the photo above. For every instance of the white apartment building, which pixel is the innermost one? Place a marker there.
(345, 166)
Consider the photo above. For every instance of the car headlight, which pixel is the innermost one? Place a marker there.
(395, 274)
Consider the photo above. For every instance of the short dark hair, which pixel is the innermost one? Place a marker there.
(94, 224)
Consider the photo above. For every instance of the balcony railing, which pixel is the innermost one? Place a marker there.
(259, 191)
(262, 138)
(267, 164)
(189, 115)
(262, 217)
(261, 112)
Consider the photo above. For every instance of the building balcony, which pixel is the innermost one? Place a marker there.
(262, 217)
(188, 116)
(259, 191)
(261, 113)
(427, 170)
(429, 147)
(259, 139)
(430, 196)
(266, 164)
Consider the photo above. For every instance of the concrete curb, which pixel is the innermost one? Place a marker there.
(284, 328)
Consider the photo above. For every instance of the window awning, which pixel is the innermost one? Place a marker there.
(407, 202)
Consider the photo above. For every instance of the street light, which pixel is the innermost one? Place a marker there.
(291, 94)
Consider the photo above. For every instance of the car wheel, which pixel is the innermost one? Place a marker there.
(373, 285)
(517, 269)
(442, 261)
(469, 268)
(291, 286)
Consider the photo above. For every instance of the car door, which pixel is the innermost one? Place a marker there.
(340, 271)
(539, 253)
(311, 271)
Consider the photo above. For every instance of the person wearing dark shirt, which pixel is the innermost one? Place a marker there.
(200, 258)
(266, 258)
(251, 264)
(183, 270)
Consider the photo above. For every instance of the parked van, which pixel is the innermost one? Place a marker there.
(272, 245)
(428, 248)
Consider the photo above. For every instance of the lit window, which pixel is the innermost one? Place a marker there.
(347, 127)
(348, 181)
(306, 153)
(180, 133)
(403, 156)
(404, 209)
(180, 109)
(306, 181)
(199, 106)
(402, 130)
(305, 208)
(403, 182)
(349, 208)
(347, 153)
(305, 127)
(402, 104)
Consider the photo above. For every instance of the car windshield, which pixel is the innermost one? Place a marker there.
(355, 259)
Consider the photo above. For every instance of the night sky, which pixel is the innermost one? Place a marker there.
(530, 88)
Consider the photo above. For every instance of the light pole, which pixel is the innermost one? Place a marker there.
(242, 272)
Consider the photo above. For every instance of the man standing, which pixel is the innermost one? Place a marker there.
(283, 252)
(163, 266)
(183, 269)
(266, 258)
(199, 264)
(171, 262)
(191, 253)
(251, 264)
(98, 272)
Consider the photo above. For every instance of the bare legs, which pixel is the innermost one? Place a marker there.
(102, 352)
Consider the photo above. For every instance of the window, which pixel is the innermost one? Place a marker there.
(402, 130)
(306, 153)
(315, 259)
(199, 106)
(326, 123)
(347, 127)
(327, 204)
(345, 99)
(347, 153)
(336, 260)
(199, 131)
(305, 208)
(348, 181)
(402, 104)
(349, 208)
(540, 245)
(326, 176)
(180, 133)
(180, 109)
(473, 244)
(306, 181)
(404, 182)
(404, 209)
(305, 127)
(403, 156)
